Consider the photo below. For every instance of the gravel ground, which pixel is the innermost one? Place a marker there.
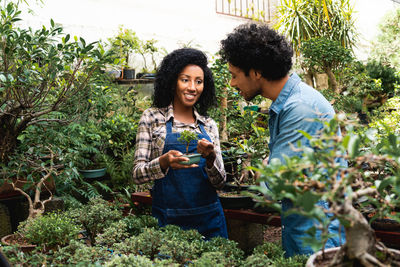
(272, 234)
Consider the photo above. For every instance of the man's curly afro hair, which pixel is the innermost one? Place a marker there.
(256, 46)
(167, 76)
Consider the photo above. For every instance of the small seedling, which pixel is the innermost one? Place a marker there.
(186, 137)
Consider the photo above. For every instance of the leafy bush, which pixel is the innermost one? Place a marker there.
(79, 254)
(54, 229)
(325, 55)
(116, 232)
(95, 216)
(295, 261)
(120, 132)
(386, 74)
(146, 243)
(130, 260)
(387, 118)
(136, 224)
(210, 259)
(229, 248)
(258, 260)
(17, 257)
(271, 250)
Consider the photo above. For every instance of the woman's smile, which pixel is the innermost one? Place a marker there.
(189, 86)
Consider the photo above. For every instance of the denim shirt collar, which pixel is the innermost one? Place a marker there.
(286, 91)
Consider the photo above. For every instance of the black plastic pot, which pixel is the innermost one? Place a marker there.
(236, 201)
(128, 74)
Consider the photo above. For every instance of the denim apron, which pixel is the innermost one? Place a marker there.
(185, 197)
(294, 228)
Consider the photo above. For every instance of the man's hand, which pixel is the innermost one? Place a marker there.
(206, 149)
(172, 158)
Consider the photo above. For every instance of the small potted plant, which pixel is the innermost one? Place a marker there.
(185, 138)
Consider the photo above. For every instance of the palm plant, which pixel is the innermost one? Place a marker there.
(301, 20)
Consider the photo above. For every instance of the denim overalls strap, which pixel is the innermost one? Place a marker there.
(185, 197)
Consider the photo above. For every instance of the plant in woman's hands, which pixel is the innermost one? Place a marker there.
(186, 137)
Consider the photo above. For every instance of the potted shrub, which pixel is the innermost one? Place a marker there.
(88, 146)
(124, 44)
(32, 175)
(186, 138)
(318, 176)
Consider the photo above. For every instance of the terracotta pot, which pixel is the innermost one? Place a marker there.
(13, 239)
(6, 190)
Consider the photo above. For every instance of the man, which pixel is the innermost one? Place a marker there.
(259, 61)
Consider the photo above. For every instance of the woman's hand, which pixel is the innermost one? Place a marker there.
(172, 158)
(206, 149)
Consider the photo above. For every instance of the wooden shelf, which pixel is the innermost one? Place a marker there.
(134, 81)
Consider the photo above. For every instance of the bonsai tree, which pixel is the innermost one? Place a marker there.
(32, 174)
(325, 55)
(373, 175)
(186, 137)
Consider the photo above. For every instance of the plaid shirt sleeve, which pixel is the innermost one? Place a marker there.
(145, 167)
(216, 173)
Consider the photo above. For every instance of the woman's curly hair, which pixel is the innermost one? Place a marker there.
(167, 76)
(256, 46)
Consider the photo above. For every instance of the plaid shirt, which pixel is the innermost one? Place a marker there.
(150, 144)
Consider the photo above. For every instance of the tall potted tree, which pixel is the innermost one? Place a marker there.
(317, 176)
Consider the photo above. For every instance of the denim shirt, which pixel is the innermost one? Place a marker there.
(295, 109)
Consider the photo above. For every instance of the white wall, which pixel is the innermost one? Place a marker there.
(369, 14)
(171, 22)
(174, 22)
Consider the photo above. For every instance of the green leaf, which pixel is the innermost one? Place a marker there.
(52, 22)
(353, 146)
(308, 201)
(385, 183)
(307, 135)
(3, 78)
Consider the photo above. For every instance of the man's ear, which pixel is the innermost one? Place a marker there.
(256, 74)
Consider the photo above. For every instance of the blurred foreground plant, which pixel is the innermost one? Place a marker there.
(373, 174)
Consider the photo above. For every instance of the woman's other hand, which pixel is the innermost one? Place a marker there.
(206, 149)
(172, 159)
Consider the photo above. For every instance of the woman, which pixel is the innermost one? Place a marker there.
(184, 195)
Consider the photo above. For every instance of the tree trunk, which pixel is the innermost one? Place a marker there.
(224, 106)
(332, 79)
(309, 78)
(8, 142)
(360, 237)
